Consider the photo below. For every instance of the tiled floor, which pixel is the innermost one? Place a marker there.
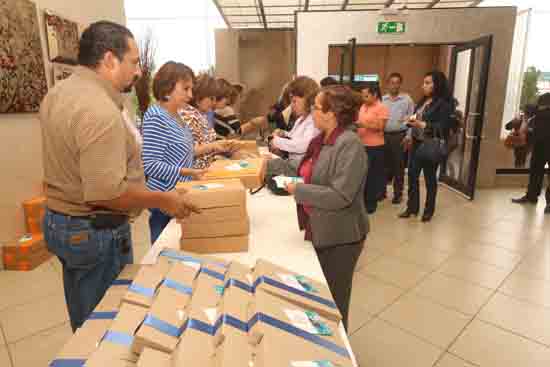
(472, 288)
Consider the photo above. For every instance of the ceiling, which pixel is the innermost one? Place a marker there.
(269, 14)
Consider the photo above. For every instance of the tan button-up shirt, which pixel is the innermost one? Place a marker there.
(89, 152)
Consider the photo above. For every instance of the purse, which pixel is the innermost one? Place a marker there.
(433, 149)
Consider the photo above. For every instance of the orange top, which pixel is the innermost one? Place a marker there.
(372, 121)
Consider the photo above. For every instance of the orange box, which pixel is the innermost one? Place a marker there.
(26, 245)
(34, 214)
(26, 262)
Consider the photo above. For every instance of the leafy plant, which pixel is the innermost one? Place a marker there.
(147, 50)
(529, 90)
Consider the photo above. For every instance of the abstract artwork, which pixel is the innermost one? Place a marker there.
(61, 72)
(22, 75)
(62, 37)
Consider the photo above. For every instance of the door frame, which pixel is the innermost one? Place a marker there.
(477, 137)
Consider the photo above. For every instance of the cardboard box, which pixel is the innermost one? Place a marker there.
(215, 193)
(34, 210)
(238, 227)
(286, 332)
(84, 341)
(114, 295)
(144, 286)
(295, 288)
(154, 358)
(246, 149)
(217, 215)
(162, 326)
(215, 245)
(234, 351)
(250, 171)
(116, 343)
(193, 259)
(129, 271)
(26, 254)
(209, 287)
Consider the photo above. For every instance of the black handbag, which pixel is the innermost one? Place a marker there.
(433, 149)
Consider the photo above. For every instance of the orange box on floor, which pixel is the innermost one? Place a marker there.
(26, 254)
(34, 213)
(250, 171)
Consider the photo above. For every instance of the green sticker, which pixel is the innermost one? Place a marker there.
(322, 328)
(220, 289)
(200, 187)
(244, 164)
(324, 364)
(305, 284)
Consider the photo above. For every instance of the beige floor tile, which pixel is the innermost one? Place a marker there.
(358, 317)
(380, 344)
(426, 256)
(489, 346)
(534, 268)
(520, 317)
(474, 271)
(372, 295)
(454, 293)
(399, 273)
(44, 347)
(522, 287)
(449, 360)
(368, 256)
(5, 360)
(491, 255)
(25, 320)
(432, 322)
(2, 339)
(383, 242)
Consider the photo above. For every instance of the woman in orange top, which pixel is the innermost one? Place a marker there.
(372, 120)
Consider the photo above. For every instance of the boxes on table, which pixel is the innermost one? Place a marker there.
(34, 210)
(283, 333)
(116, 344)
(251, 171)
(144, 286)
(153, 358)
(114, 295)
(26, 254)
(163, 324)
(245, 149)
(234, 351)
(223, 224)
(295, 288)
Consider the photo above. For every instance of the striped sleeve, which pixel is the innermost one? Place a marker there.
(156, 140)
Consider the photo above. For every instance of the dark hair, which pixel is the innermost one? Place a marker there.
(544, 101)
(225, 90)
(304, 87)
(168, 76)
(325, 82)
(441, 87)
(344, 102)
(100, 38)
(373, 89)
(396, 75)
(205, 87)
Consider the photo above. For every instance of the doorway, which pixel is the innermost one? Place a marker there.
(466, 66)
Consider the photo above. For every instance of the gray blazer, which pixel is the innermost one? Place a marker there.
(336, 193)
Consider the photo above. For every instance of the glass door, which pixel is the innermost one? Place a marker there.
(468, 77)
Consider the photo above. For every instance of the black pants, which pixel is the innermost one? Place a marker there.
(416, 166)
(376, 177)
(338, 264)
(395, 162)
(539, 158)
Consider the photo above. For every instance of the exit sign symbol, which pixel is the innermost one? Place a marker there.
(391, 27)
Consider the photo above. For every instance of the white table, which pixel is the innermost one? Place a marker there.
(274, 236)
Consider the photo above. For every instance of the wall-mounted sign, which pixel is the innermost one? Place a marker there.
(391, 27)
(367, 78)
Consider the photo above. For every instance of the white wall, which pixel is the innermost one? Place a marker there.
(20, 139)
(317, 30)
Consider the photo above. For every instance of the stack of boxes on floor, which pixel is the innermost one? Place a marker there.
(29, 251)
(190, 310)
(223, 224)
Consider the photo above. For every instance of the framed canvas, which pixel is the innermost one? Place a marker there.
(61, 72)
(63, 38)
(23, 82)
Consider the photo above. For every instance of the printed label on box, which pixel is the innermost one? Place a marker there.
(312, 364)
(291, 281)
(283, 181)
(308, 321)
(208, 186)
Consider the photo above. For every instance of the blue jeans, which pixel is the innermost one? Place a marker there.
(157, 222)
(91, 260)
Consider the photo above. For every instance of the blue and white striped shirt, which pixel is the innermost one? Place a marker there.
(167, 148)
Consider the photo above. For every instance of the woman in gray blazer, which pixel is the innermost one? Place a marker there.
(330, 201)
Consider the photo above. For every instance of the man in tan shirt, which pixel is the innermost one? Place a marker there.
(93, 172)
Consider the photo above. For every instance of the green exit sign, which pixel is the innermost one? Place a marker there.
(391, 27)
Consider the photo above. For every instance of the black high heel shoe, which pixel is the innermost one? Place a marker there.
(407, 214)
(427, 217)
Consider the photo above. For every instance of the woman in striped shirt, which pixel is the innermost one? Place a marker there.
(168, 153)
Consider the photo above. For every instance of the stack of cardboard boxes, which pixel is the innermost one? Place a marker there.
(189, 310)
(223, 224)
(29, 251)
(250, 171)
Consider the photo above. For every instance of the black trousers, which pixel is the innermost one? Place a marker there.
(416, 167)
(395, 162)
(376, 177)
(338, 264)
(539, 158)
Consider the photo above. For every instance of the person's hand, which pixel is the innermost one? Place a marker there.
(278, 132)
(417, 123)
(178, 205)
(217, 148)
(406, 143)
(291, 188)
(230, 146)
(198, 174)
